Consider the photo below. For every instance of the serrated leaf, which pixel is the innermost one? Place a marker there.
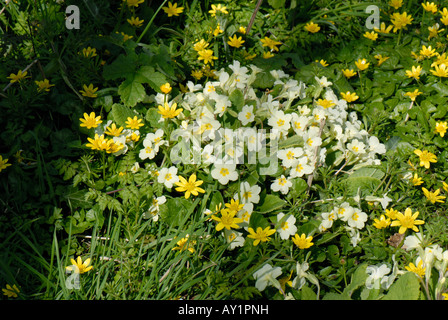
(147, 74)
(131, 92)
(120, 114)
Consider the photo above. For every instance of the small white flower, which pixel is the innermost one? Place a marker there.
(287, 227)
(327, 220)
(323, 82)
(376, 276)
(168, 176)
(248, 193)
(280, 121)
(153, 211)
(224, 173)
(245, 214)
(289, 156)
(267, 275)
(300, 167)
(356, 147)
(135, 167)
(281, 184)
(235, 238)
(246, 115)
(413, 241)
(357, 219)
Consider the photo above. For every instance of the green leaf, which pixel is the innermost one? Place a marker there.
(406, 287)
(120, 114)
(147, 74)
(271, 203)
(153, 117)
(263, 80)
(277, 4)
(122, 67)
(237, 99)
(366, 178)
(131, 92)
(307, 293)
(173, 212)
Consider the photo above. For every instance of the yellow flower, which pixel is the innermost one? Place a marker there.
(133, 3)
(3, 163)
(217, 30)
(267, 55)
(260, 235)
(79, 266)
(441, 128)
(413, 95)
(227, 220)
(89, 52)
(218, 8)
(392, 213)
(168, 112)
(400, 20)
(322, 62)
(189, 187)
(325, 103)
(371, 35)
(90, 121)
(165, 88)
(433, 197)
(407, 221)
(197, 74)
(135, 22)
(44, 85)
(173, 10)
(312, 27)
(416, 180)
(427, 51)
(89, 91)
(430, 7)
(272, 44)
(11, 292)
(113, 130)
(235, 42)
(425, 158)
(383, 28)
(396, 4)
(362, 64)
(200, 45)
(414, 72)
(349, 97)
(18, 77)
(185, 244)
(134, 123)
(98, 143)
(302, 241)
(434, 31)
(242, 30)
(234, 205)
(445, 186)
(382, 223)
(207, 56)
(441, 59)
(418, 270)
(380, 59)
(348, 73)
(440, 71)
